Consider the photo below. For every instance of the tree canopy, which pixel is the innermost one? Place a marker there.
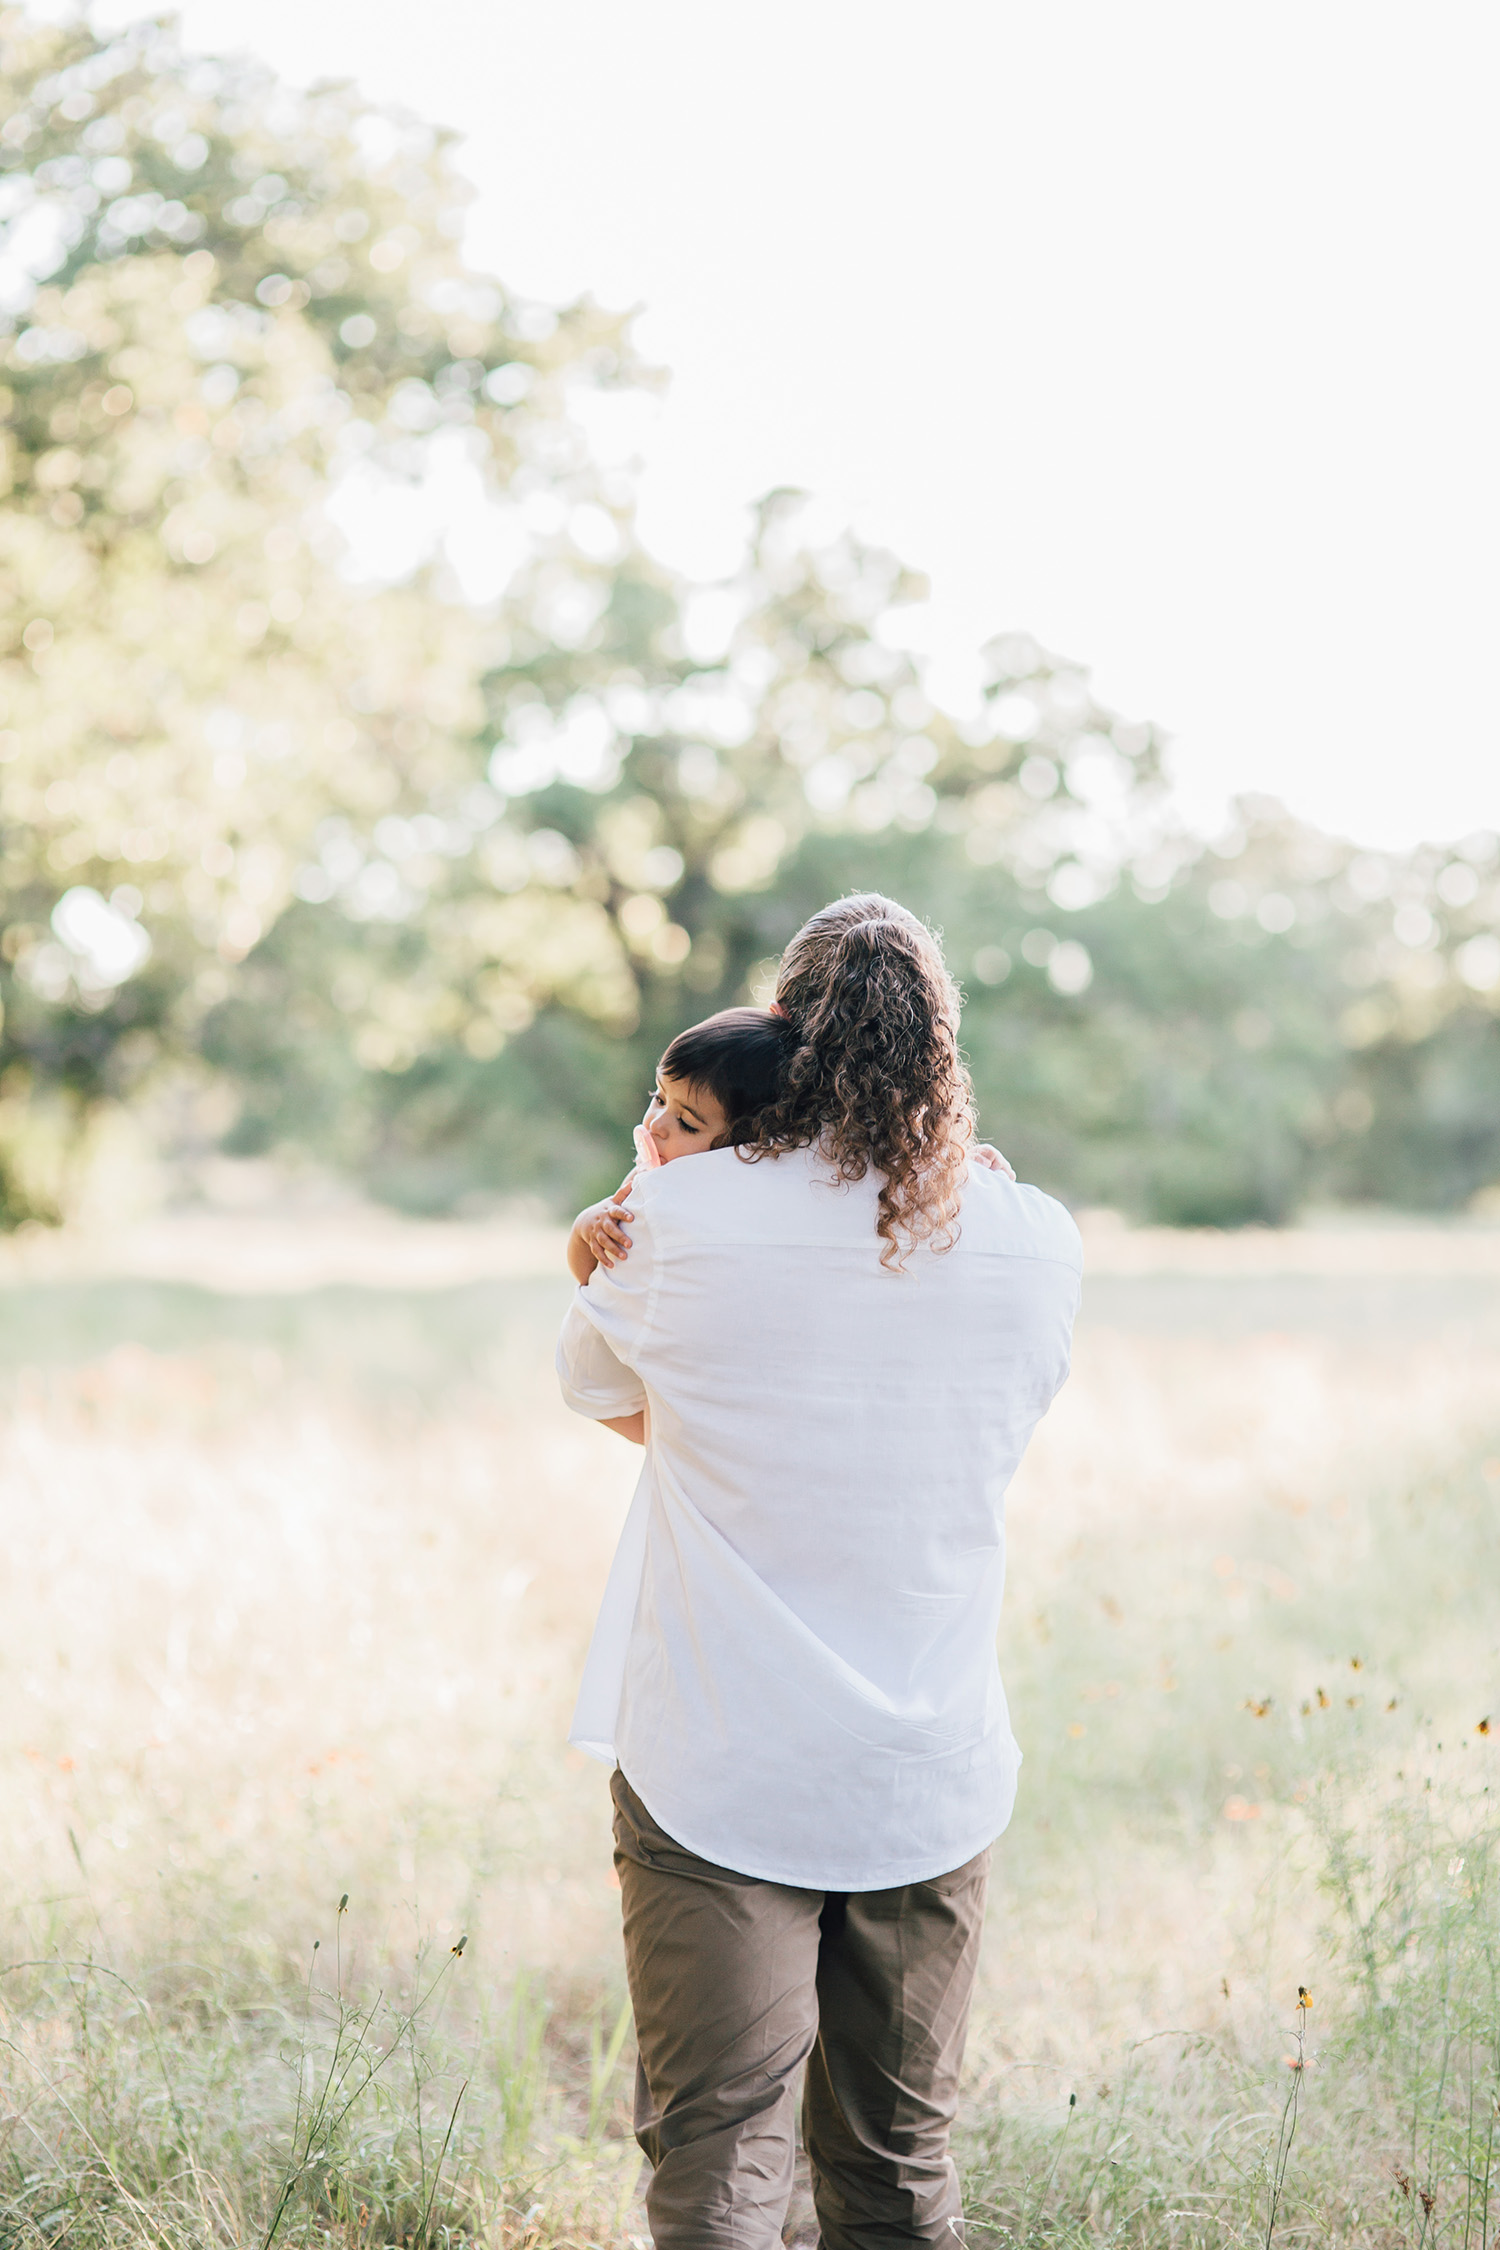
(422, 884)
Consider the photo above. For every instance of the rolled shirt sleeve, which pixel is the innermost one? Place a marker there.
(594, 1382)
(604, 1328)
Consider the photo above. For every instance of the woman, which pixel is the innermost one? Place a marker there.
(844, 1344)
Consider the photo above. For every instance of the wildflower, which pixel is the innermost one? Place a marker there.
(1260, 1709)
(455, 1950)
(1294, 2062)
(1304, 1997)
(1356, 1663)
(1392, 1704)
(1483, 1727)
(1323, 1700)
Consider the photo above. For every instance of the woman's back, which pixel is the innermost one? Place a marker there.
(808, 1689)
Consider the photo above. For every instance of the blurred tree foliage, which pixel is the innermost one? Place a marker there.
(422, 886)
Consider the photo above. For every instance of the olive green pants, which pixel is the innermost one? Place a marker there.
(736, 1983)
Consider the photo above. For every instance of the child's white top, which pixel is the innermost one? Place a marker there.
(795, 1659)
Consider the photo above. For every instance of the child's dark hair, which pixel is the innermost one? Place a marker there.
(737, 1057)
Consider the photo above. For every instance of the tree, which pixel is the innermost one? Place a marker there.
(234, 293)
(664, 787)
(422, 885)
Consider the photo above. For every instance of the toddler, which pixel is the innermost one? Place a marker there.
(710, 1084)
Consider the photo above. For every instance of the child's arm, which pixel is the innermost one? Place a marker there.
(989, 1156)
(598, 1237)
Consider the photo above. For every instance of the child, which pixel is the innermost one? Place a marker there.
(710, 1084)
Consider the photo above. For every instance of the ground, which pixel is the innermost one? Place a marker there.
(302, 1556)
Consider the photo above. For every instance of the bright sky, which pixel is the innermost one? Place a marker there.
(1165, 332)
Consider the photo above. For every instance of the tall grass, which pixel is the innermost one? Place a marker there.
(219, 2117)
(1367, 2110)
(218, 2111)
(1307, 1877)
(294, 1605)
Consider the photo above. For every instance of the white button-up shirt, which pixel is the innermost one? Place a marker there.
(794, 1663)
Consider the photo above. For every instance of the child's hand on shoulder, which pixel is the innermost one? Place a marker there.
(989, 1158)
(598, 1237)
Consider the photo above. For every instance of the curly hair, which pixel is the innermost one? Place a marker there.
(874, 1074)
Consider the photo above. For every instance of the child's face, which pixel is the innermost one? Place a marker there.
(683, 1120)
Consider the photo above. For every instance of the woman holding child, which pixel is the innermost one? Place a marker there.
(835, 1335)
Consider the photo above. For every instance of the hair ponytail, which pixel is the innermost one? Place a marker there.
(875, 1074)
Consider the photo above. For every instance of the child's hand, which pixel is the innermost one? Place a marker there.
(599, 1237)
(989, 1156)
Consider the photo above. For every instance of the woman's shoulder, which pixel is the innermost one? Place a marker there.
(1014, 1219)
(794, 1191)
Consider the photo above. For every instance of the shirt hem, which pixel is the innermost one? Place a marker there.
(921, 1871)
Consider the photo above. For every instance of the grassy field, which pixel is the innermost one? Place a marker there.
(301, 1558)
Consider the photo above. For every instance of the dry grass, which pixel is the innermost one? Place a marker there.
(300, 1568)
